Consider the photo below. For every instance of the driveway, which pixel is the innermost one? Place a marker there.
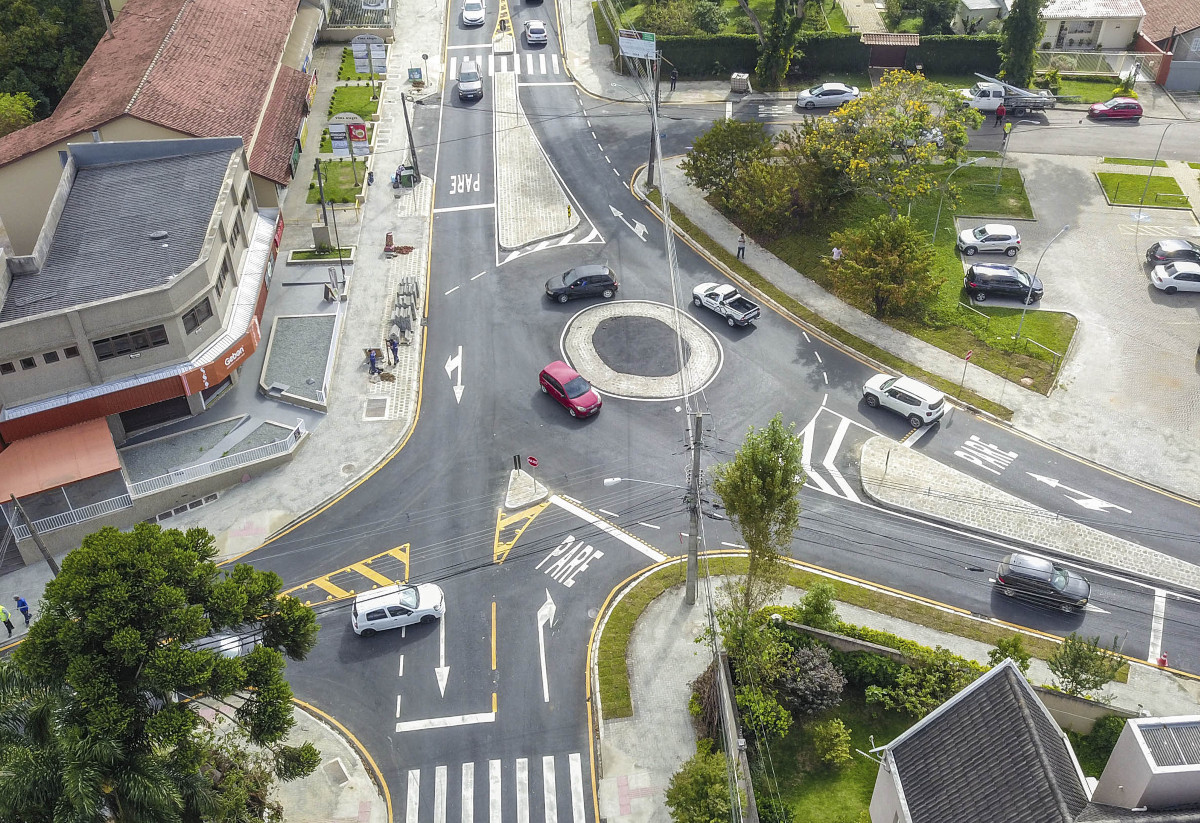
(1133, 369)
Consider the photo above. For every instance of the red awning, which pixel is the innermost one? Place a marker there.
(46, 461)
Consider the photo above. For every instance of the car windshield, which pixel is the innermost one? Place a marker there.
(1022, 277)
(576, 387)
(465, 76)
(887, 384)
(815, 90)
(1059, 578)
(473, 5)
(1109, 104)
(980, 233)
(408, 597)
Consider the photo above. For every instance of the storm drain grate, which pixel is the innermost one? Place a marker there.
(376, 408)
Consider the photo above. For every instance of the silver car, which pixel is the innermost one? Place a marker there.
(470, 81)
(474, 12)
(535, 32)
(989, 237)
(826, 95)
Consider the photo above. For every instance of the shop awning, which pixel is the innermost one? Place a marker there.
(57, 458)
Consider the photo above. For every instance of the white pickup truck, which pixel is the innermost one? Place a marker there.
(988, 94)
(727, 302)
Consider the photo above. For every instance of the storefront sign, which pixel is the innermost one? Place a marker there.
(210, 374)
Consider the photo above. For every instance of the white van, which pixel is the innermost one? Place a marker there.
(394, 606)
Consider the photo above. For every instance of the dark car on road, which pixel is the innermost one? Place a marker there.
(1172, 249)
(1042, 582)
(583, 281)
(575, 394)
(985, 280)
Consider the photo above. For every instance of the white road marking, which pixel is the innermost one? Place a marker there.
(522, 790)
(648, 525)
(439, 795)
(733, 545)
(576, 789)
(607, 160)
(529, 63)
(806, 439)
(600, 147)
(608, 513)
(587, 516)
(446, 722)
(456, 288)
(1159, 615)
(834, 445)
(481, 274)
(453, 66)
(542, 62)
(414, 796)
(545, 83)
(494, 791)
(824, 400)
(554, 62)
(398, 705)
(550, 797)
(728, 109)
(806, 340)
(818, 354)
(921, 432)
(446, 209)
(826, 376)
(491, 64)
(401, 674)
(468, 792)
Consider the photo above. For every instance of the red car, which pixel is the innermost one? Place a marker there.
(564, 384)
(1119, 108)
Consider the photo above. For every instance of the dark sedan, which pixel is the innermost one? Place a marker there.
(583, 281)
(1042, 582)
(984, 280)
(1173, 249)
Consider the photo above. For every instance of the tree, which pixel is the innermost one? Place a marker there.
(778, 45)
(120, 634)
(811, 683)
(719, 155)
(888, 142)
(1010, 648)
(762, 713)
(1082, 665)
(937, 15)
(16, 112)
(699, 791)
(831, 741)
(760, 490)
(44, 44)
(1019, 38)
(888, 265)
(922, 687)
(817, 609)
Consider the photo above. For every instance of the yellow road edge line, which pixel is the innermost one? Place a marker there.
(359, 747)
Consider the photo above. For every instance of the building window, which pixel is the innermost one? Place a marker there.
(71, 351)
(28, 363)
(223, 276)
(246, 196)
(195, 318)
(133, 341)
(235, 233)
(50, 357)
(7, 368)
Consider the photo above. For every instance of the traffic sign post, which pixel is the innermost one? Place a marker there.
(966, 360)
(533, 461)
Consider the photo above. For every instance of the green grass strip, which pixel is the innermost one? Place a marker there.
(1134, 161)
(813, 319)
(310, 254)
(1195, 166)
(1130, 189)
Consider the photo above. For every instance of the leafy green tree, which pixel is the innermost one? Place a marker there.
(699, 791)
(43, 45)
(817, 609)
(722, 152)
(778, 45)
(937, 15)
(673, 18)
(709, 16)
(1020, 36)
(922, 687)
(886, 265)
(16, 112)
(1082, 665)
(120, 633)
(762, 713)
(760, 196)
(760, 489)
(887, 144)
(1011, 648)
(831, 743)
(810, 682)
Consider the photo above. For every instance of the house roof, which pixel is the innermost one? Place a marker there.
(1163, 16)
(1091, 9)
(204, 68)
(885, 38)
(992, 752)
(271, 154)
(102, 246)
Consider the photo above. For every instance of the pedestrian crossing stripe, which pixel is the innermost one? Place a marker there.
(494, 792)
(383, 569)
(540, 63)
(510, 527)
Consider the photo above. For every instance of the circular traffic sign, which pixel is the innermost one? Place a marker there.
(532, 462)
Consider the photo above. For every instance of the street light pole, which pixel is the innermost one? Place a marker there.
(1033, 279)
(938, 222)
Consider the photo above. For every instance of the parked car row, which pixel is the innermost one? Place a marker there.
(1175, 265)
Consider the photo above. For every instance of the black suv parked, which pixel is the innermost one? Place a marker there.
(986, 280)
(1043, 582)
(1172, 249)
(583, 281)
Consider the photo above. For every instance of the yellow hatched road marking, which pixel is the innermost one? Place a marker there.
(336, 591)
(506, 537)
(363, 568)
(503, 15)
(368, 572)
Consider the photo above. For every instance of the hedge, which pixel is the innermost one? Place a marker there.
(708, 55)
(824, 52)
(956, 54)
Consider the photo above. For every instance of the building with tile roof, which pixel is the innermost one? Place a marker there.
(1091, 24)
(169, 69)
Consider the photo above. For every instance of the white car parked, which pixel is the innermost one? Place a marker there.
(474, 12)
(1181, 275)
(909, 398)
(394, 606)
(990, 237)
(826, 95)
(535, 32)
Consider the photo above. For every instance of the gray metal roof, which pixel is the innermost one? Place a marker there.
(1172, 743)
(104, 244)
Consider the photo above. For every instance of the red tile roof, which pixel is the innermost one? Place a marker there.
(1164, 15)
(884, 38)
(271, 152)
(200, 67)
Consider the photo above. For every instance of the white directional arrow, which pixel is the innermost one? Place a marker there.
(545, 616)
(453, 364)
(442, 671)
(635, 227)
(1086, 500)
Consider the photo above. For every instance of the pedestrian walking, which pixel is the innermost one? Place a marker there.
(674, 77)
(23, 608)
(6, 617)
(394, 344)
(1000, 112)
(741, 252)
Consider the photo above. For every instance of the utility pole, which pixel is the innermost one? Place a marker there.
(693, 558)
(655, 73)
(37, 538)
(321, 190)
(412, 146)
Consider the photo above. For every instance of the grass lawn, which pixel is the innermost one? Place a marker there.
(1128, 189)
(1195, 165)
(327, 144)
(824, 15)
(338, 178)
(1088, 91)
(820, 795)
(910, 23)
(346, 70)
(1133, 161)
(354, 99)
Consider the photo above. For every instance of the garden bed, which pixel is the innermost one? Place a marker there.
(1153, 191)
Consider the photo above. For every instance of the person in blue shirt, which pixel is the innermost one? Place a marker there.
(23, 608)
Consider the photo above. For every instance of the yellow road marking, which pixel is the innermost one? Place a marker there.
(510, 527)
(363, 568)
(503, 15)
(336, 591)
(368, 572)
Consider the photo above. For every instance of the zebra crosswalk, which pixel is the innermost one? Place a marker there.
(505, 792)
(520, 63)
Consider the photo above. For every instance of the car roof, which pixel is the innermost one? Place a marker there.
(916, 387)
(381, 596)
(1121, 100)
(1176, 244)
(590, 270)
(1183, 266)
(838, 86)
(993, 268)
(560, 371)
(535, 23)
(1029, 564)
(998, 228)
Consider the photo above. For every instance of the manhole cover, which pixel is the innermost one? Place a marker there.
(376, 408)
(349, 469)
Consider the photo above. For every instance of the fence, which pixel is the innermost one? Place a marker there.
(1114, 64)
(73, 516)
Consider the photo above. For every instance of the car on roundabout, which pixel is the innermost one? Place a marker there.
(392, 607)
(583, 281)
(1181, 275)
(569, 390)
(1042, 582)
(826, 95)
(911, 399)
(535, 32)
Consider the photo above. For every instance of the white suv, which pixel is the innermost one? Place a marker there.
(990, 237)
(907, 397)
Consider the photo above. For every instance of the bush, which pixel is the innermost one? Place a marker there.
(709, 17)
(817, 608)
(674, 17)
(699, 791)
(1049, 79)
(810, 682)
(956, 54)
(828, 52)
(1094, 748)
(1010, 647)
(772, 808)
(922, 688)
(865, 669)
(705, 702)
(1082, 665)
(892, 13)
(831, 743)
(705, 56)
(762, 714)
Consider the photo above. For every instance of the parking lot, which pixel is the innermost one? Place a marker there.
(1134, 365)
